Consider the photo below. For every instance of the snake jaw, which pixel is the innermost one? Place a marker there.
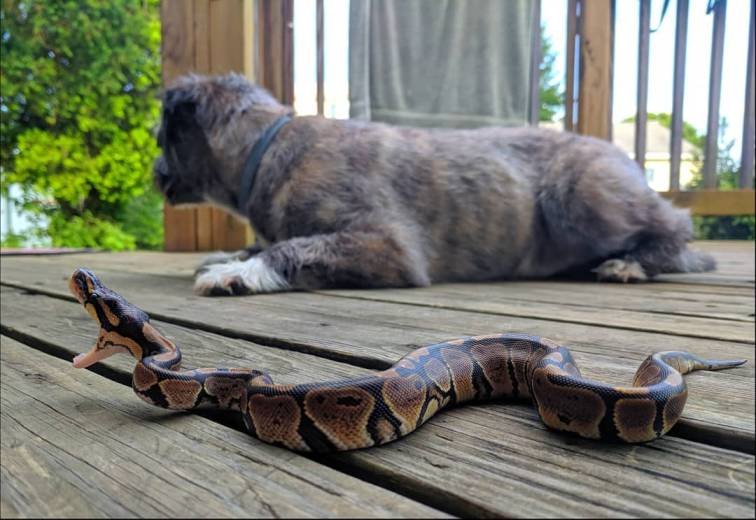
(95, 355)
(100, 351)
(74, 285)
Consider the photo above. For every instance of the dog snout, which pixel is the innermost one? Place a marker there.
(160, 172)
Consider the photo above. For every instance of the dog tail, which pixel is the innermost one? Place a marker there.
(689, 261)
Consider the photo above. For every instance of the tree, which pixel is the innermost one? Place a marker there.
(78, 102)
(552, 96)
(739, 227)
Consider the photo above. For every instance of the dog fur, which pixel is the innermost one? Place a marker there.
(361, 204)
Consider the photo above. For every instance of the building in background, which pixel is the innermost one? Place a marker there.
(657, 165)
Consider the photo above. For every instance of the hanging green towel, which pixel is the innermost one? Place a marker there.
(440, 62)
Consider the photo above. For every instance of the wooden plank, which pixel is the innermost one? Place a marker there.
(595, 89)
(275, 42)
(229, 48)
(202, 44)
(75, 444)
(204, 228)
(735, 265)
(178, 57)
(734, 275)
(496, 451)
(494, 299)
(664, 311)
(213, 38)
(375, 334)
(713, 202)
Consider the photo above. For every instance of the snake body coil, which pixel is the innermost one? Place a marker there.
(376, 409)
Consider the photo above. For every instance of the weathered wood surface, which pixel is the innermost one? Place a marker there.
(207, 37)
(714, 202)
(375, 334)
(76, 444)
(491, 460)
(497, 452)
(380, 334)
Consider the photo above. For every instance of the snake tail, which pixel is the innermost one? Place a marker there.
(385, 406)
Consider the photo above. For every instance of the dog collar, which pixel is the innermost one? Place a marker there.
(252, 164)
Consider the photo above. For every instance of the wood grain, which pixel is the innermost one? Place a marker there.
(178, 57)
(714, 202)
(595, 89)
(75, 444)
(275, 41)
(209, 37)
(497, 300)
(375, 334)
(496, 452)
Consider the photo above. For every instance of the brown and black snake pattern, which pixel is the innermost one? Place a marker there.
(376, 409)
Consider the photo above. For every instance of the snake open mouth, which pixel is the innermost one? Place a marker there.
(95, 355)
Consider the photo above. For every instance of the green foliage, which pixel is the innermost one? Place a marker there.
(143, 218)
(732, 227)
(689, 132)
(12, 240)
(78, 103)
(552, 96)
(87, 230)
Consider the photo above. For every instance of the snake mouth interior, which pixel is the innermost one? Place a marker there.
(96, 354)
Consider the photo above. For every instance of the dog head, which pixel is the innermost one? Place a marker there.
(209, 125)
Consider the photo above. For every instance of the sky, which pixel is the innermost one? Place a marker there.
(553, 17)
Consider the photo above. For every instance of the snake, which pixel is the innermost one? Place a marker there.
(384, 406)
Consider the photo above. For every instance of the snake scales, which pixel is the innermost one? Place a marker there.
(376, 409)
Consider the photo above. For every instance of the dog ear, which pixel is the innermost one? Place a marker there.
(179, 103)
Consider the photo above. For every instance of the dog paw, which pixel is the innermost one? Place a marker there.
(219, 257)
(236, 278)
(617, 270)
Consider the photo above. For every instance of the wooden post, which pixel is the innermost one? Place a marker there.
(595, 92)
(276, 48)
(207, 37)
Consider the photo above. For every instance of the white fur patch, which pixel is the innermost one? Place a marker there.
(618, 270)
(254, 274)
(218, 257)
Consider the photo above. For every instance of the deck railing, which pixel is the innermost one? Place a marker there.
(588, 92)
(580, 36)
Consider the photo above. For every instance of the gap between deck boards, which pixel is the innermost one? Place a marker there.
(257, 485)
(264, 340)
(531, 315)
(687, 428)
(428, 497)
(359, 465)
(351, 357)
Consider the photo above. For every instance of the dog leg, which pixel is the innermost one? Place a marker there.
(344, 259)
(654, 256)
(222, 257)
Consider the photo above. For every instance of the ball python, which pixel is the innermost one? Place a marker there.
(376, 409)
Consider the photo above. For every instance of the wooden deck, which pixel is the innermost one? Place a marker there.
(79, 443)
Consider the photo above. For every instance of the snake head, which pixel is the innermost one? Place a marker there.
(124, 328)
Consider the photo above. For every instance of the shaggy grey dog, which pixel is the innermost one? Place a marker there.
(352, 203)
